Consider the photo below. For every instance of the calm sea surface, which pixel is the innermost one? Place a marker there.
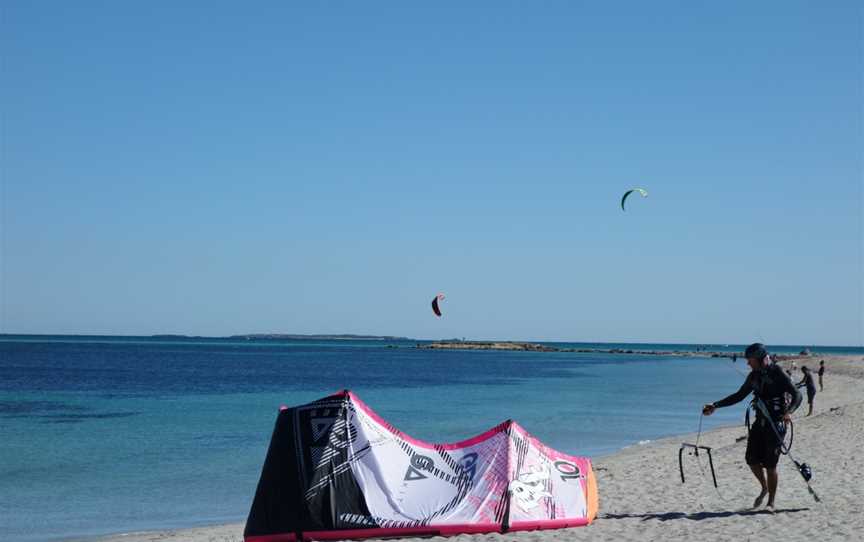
(104, 435)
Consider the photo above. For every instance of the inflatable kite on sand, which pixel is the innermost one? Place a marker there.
(336, 470)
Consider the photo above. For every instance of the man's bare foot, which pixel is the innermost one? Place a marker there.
(758, 502)
(770, 507)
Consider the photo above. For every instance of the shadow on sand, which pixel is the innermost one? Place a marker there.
(699, 516)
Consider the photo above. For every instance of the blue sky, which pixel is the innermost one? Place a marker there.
(328, 167)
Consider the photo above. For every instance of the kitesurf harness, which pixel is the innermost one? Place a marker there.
(785, 443)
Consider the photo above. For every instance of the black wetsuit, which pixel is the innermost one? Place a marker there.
(770, 386)
(811, 387)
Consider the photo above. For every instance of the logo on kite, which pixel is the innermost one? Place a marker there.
(435, 308)
(567, 470)
(529, 488)
(627, 193)
(468, 464)
(418, 464)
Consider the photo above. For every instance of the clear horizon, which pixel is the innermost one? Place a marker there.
(302, 336)
(201, 168)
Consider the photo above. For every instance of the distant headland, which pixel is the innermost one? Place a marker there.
(340, 337)
(535, 347)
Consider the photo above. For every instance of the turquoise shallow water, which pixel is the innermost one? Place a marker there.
(101, 436)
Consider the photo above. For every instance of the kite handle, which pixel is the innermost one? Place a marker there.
(696, 449)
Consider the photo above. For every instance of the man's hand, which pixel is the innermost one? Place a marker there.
(787, 419)
(708, 409)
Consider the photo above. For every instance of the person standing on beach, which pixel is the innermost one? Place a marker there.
(821, 372)
(768, 384)
(811, 387)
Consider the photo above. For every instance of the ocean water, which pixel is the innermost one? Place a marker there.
(106, 435)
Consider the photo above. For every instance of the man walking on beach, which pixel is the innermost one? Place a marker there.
(768, 384)
(821, 372)
(811, 387)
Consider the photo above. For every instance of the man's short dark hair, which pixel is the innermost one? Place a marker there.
(756, 351)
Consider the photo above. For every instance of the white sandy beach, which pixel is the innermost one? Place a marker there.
(642, 497)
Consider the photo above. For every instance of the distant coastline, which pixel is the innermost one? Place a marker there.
(659, 348)
(536, 347)
(340, 337)
(496, 345)
(247, 336)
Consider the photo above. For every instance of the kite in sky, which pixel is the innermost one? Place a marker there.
(627, 193)
(435, 308)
